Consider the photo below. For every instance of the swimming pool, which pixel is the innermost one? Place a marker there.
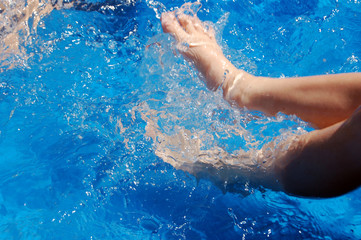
(89, 93)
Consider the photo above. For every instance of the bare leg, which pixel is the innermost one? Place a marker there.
(324, 162)
(320, 100)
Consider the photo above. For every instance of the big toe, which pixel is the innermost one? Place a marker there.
(167, 19)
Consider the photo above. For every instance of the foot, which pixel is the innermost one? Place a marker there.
(196, 42)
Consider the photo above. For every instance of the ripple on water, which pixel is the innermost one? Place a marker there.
(82, 93)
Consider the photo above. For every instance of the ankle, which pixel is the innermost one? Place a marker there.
(236, 88)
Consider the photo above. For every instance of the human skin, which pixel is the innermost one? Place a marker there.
(323, 163)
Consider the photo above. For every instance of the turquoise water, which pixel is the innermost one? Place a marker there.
(81, 86)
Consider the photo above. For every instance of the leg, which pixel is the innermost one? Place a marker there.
(321, 100)
(321, 163)
(324, 163)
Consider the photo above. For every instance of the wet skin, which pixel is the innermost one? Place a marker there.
(323, 163)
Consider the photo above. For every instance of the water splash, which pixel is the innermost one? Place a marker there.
(74, 144)
(198, 132)
(189, 9)
(157, 7)
(220, 25)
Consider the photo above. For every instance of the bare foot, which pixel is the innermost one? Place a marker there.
(197, 43)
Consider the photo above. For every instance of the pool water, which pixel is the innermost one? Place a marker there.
(90, 93)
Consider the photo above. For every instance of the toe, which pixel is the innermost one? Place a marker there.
(187, 23)
(171, 25)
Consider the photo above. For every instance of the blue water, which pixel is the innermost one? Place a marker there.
(76, 161)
